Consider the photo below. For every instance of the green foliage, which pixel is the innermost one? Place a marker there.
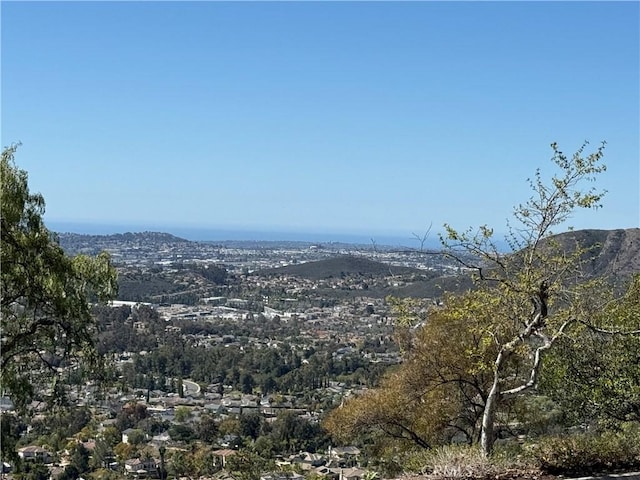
(180, 464)
(204, 462)
(111, 435)
(593, 375)
(45, 310)
(57, 426)
(79, 458)
(247, 465)
(32, 471)
(291, 433)
(123, 451)
(104, 474)
(532, 294)
(207, 429)
(468, 362)
(212, 273)
(539, 415)
(102, 454)
(181, 433)
(12, 427)
(136, 437)
(130, 415)
(265, 447)
(588, 453)
(171, 356)
(251, 425)
(70, 472)
(182, 414)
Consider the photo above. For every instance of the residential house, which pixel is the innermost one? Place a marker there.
(281, 476)
(34, 453)
(222, 455)
(142, 468)
(328, 473)
(346, 456)
(352, 474)
(56, 472)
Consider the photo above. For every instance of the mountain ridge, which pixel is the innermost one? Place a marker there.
(612, 253)
(339, 266)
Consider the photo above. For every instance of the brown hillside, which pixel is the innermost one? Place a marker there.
(616, 253)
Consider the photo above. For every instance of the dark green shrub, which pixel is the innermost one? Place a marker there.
(590, 453)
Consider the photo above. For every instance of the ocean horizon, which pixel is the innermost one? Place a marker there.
(210, 234)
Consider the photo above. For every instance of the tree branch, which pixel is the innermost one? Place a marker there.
(609, 332)
(535, 367)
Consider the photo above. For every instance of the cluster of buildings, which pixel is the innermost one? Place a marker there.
(347, 320)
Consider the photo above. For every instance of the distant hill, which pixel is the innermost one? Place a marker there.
(616, 253)
(122, 237)
(340, 266)
(74, 243)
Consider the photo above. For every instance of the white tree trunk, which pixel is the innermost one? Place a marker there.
(487, 434)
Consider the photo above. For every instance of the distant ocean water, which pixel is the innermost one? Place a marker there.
(212, 234)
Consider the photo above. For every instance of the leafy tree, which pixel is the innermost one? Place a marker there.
(268, 385)
(435, 395)
(180, 388)
(153, 426)
(180, 464)
(246, 465)
(162, 450)
(45, 312)
(111, 435)
(123, 451)
(251, 424)
(12, 427)
(80, 458)
(207, 429)
(246, 383)
(131, 415)
(33, 471)
(264, 447)
(136, 437)
(229, 426)
(182, 414)
(524, 302)
(181, 433)
(291, 433)
(72, 421)
(594, 375)
(102, 455)
(532, 293)
(70, 472)
(204, 462)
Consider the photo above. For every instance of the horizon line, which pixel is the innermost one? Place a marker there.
(228, 233)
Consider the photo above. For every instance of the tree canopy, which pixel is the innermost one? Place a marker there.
(594, 375)
(482, 349)
(46, 296)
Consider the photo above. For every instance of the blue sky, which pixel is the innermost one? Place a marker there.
(364, 118)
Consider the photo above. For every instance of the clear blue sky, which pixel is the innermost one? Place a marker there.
(352, 117)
